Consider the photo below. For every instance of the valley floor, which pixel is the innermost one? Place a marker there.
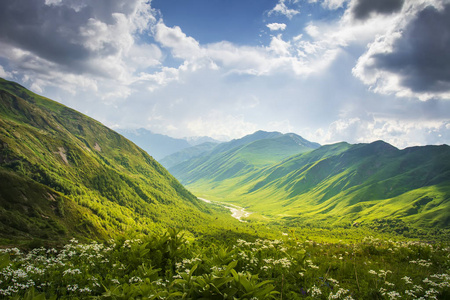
(237, 212)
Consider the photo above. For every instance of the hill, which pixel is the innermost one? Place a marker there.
(339, 184)
(241, 156)
(63, 174)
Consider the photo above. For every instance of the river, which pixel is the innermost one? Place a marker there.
(237, 212)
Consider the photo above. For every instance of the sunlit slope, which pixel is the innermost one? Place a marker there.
(343, 184)
(64, 174)
(240, 157)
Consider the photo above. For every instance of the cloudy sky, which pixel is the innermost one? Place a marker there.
(329, 70)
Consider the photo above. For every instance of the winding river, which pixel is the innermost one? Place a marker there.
(237, 212)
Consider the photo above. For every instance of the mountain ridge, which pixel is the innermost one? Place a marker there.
(65, 174)
(241, 155)
(335, 184)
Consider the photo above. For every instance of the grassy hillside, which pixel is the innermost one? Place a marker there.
(339, 184)
(239, 157)
(64, 174)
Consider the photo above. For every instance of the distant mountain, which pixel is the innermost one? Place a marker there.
(198, 140)
(186, 154)
(336, 184)
(157, 145)
(240, 156)
(63, 174)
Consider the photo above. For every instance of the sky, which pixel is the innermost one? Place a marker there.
(328, 70)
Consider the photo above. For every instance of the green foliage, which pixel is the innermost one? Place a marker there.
(167, 266)
(334, 185)
(64, 174)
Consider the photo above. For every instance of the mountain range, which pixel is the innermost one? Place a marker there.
(286, 178)
(158, 145)
(63, 174)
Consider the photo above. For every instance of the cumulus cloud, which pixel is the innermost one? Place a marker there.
(276, 26)
(400, 133)
(282, 9)
(182, 46)
(362, 9)
(412, 58)
(5, 74)
(54, 39)
(148, 74)
(294, 56)
(333, 4)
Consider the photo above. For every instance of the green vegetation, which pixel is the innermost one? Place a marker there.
(170, 267)
(334, 185)
(63, 174)
(240, 157)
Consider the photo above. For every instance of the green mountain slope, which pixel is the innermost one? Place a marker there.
(343, 184)
(64, 174)
(239, 157)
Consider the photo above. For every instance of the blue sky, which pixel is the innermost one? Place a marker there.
(329, 70)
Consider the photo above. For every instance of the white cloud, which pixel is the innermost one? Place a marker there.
(400, 133)
(125, 68)
(394, 62)
(280, 47)
(276, 26)
(5, 74)
(282, 9)
(220, 125)
(81, 47)
(312, 30)
(182, 46)
(334, 4)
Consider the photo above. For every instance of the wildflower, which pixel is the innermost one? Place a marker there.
(85, 290)
(134, 279)
(407, 279)
(431, 293)
(71, 272)
(333, 280)
(72, 288)
(315, 291)
(393, 295)
(339, 293)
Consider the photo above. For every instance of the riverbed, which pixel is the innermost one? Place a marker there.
(237, 212)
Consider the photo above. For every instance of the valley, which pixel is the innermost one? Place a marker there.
(87, 214)
(236, 211)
